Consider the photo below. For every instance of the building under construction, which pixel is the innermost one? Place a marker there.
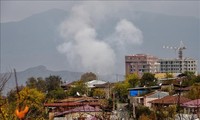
(178, 65)
(141, 63)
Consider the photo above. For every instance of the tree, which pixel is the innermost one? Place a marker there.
(120, 91)
(37, 83)
(41, 85)
(53, 87)
(148, 79)
(163, 113)
(169, 75)
(143, 117)
(31, 82)
(3, 80)
(88, 76)
(12, 94)
(5, 113)
(53, 82)
(57, 94)
(189, 78)
(142, 110)
(197, 79)
(29, 98)
(78, 86)
(99, 93)
(194, 92)
(132, 79)
(34, 99)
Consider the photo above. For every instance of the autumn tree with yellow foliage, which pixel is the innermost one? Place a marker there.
(28, 105)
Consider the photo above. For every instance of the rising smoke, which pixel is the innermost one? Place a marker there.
(84, 50)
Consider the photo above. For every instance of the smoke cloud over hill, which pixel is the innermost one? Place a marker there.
(84, 50)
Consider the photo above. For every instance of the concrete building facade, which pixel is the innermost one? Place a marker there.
(178, 65)
(141, 63)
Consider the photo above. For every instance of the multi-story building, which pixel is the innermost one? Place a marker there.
(141, 63)
(178, 65)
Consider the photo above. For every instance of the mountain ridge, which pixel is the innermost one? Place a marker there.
(32, 42)
(43, 72)
(39, 71)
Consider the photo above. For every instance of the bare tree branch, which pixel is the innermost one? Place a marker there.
(4, 79)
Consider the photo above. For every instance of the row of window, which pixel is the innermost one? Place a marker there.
(178, 65)
(175, 62)
(172, 69)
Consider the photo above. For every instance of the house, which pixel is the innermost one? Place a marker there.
(136, 95)
(91, 84)
(106, 87)
(99, 84)
(67, 86)
(153, 96)
(82, 112)
(74, 106)
(169, 100)
(139, 91)
(192, 106)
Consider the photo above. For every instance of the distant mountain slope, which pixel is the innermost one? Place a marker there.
(33, 41)
(41, 71)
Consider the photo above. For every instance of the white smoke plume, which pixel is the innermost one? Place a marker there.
(86, 52)
(128, 33)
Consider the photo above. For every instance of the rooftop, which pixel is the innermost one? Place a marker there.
(170, 100)
(92, 83)
(192, 103)
(85, 108)
(144, 88)
(71, 104)
(78, 99)
(157, 94)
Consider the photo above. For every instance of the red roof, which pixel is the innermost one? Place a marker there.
(71, 104)
(192, 103)
(170, 100)
(85, 108)
(78, 99)
(183, 89)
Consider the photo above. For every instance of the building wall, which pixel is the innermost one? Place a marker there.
(146, 101)
(141, 63)
(178, 65)
(72, 116)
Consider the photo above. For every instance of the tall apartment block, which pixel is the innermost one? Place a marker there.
(141, 63)
(178, 65)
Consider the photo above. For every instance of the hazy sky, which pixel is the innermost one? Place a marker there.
(89, 15)
(18, 10)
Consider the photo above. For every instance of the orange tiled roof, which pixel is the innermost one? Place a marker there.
(170, 100)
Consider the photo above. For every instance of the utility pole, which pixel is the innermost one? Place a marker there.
(179, 96)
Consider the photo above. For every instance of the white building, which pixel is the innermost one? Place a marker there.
(178, 65)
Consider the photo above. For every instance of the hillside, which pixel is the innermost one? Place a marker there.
(40, 71)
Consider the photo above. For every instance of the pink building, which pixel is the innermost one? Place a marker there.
(141, 63)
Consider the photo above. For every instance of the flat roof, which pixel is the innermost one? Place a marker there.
(144, 88)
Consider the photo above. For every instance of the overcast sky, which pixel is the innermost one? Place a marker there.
(90, 15)
(18, 10)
